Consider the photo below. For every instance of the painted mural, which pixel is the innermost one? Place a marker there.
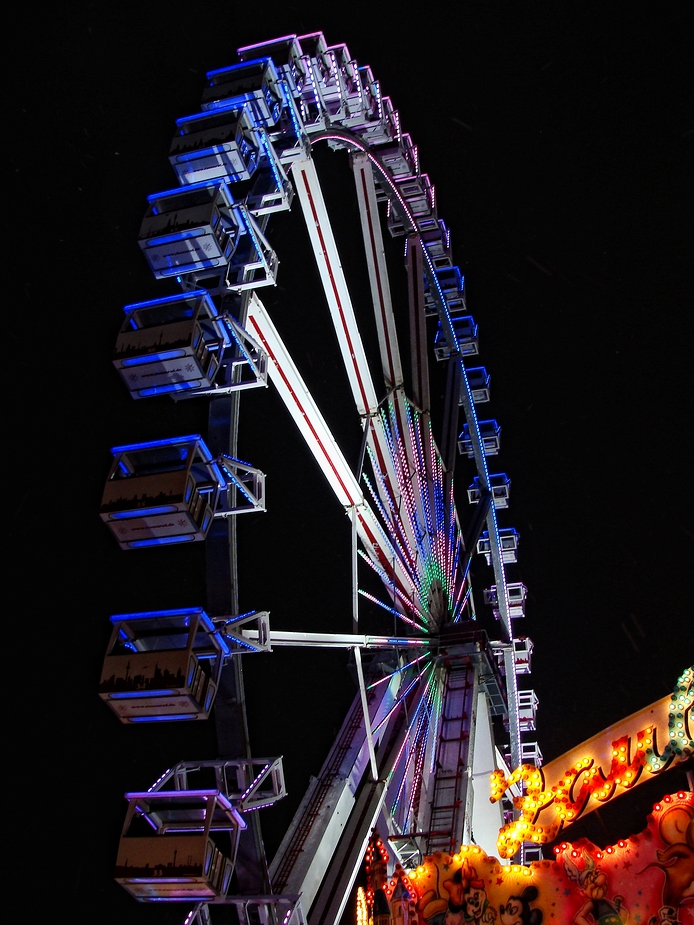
(647, 879)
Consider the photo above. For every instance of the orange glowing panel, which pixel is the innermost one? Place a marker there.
(600, 769)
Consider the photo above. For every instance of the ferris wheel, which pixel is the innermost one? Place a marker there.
(414, 753)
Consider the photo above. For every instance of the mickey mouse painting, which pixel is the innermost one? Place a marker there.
(517, 911)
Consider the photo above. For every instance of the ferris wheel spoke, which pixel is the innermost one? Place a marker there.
(334, 285)
(396, 613)
(410, 602)
(409, 781)
(397, 671)
(402, 698)
(413, 772)
(395, 528)
(378, 272)
(300, 404)
(420, 521)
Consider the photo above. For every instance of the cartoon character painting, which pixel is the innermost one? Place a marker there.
(645, 879)
(516, 910)
(466, 902)
(676, 861)
(435, 909)
(593, 883)
(468, 891)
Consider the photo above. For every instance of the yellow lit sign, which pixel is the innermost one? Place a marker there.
(600, 769)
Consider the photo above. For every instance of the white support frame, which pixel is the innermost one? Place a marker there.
(334, 284)
(378, 271)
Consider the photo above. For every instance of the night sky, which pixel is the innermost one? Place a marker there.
(559, 140)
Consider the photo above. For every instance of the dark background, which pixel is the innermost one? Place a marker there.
(559, 141)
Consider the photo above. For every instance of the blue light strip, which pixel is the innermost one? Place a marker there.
(169, 441)
(289, 103)
(235, 67)
(231, 107)
(153, 357)
(181, 297)
(153, 614)
(237, 483)
(243, 643)
(218, 185)
(143, 512)
(163, 541)
(142, 695)
(176, 236)
(266, 144)
(422, 745)
(436, 712)
(418, 752)
(235, 459)
(237, 340)
(172, 387)
(248, 224)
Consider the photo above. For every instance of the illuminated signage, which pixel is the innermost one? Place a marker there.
(600, 769)
(647, 878)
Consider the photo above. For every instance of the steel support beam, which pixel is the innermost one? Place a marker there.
(334, 285)
(348, 857)
(378, 271)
